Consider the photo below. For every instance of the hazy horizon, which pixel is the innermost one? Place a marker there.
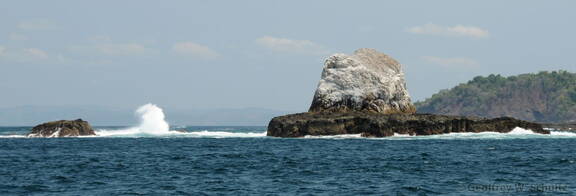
(207, 55)
(112, 116)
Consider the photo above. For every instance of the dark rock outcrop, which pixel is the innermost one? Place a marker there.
(383, 125)
(62, 128)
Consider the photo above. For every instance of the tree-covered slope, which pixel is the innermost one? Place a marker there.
(543, 97)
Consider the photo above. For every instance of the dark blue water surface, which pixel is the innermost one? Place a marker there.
(273, 166)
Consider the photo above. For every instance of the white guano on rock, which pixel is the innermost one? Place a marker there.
(365, 81)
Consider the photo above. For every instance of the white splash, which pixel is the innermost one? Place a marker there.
(152, 122)
(520, 131)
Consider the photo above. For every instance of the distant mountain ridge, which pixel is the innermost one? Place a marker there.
(548, 97)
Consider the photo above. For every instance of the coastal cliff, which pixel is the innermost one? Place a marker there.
(365, 93)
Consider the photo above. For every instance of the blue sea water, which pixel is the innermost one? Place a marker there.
(243, 161)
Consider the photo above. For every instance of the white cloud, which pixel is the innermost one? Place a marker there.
(121, 49)
(36, 53)
(63, 59)
(17, 37)
(23, 54)
(458, 30)
(456, 62)
(104, 45)
(36, 25)
(100, 38)
(194, 50)
(285, 45)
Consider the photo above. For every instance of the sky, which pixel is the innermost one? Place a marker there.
(261, 54)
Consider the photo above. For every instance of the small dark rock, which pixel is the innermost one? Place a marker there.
(62, 128)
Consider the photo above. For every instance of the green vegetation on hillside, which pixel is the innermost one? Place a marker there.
(542, 97)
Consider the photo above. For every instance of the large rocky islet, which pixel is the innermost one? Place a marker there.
(365, 93)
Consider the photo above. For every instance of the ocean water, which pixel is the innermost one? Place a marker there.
(243, 161)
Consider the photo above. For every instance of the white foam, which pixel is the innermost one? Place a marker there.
(119, 132)
(516, 133)
(563, 133)
(12, 136)
(520, 131)
(224, 134)
(192, 134)
(342, 136)
(401, 135)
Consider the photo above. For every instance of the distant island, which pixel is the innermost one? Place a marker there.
(545, 97)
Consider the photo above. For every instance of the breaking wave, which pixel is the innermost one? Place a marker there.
(516, 133)
(153, 124)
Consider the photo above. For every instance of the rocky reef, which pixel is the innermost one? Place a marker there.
(62, 128)
(365, 93)
(383, 125)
